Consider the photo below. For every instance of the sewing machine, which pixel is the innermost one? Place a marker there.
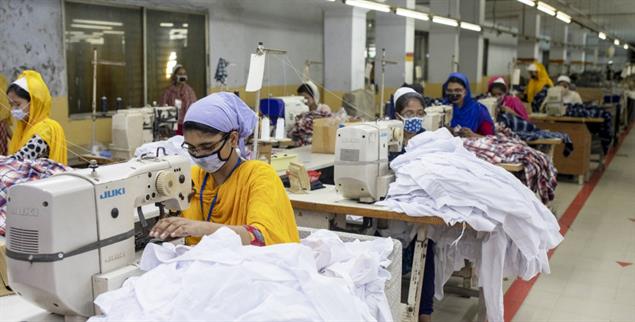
(133, 127)
(289, 106)
(71, 237)
(554, 104)
(361, 159)
(437, 116)
(491, 103)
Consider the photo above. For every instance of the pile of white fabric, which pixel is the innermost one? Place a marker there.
(322, 279)
(171, 146)
(512, 230)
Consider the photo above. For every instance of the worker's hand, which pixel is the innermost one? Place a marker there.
(466, 132)
(176, 227)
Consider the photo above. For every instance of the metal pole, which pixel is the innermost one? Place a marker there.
(381, 95)
(94, 103)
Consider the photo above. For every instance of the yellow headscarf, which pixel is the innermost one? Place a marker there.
(536, 85)
(5, 107)
(38, 121)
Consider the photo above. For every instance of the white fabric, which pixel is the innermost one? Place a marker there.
(172, 147)
(500, 80)
(316, 92)
(532, 68)
(322, 279)
(399, 92)
(512, 230)
(564, 78)
(22, 83)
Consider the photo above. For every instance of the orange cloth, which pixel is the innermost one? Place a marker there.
(38, 121)
(536, 85)
(253, 195)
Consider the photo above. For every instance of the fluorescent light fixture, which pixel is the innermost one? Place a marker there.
(616, 42)
(113, 32)
(76, 25)
(626, 46)
(412, 14)
(445, 21)
(563, 17)
(98, 22)
(330, 0)
(185, 25)
(470, 26)
(166, 24)
(371, 5)
(602, 35)
(530, 3)
(546, 8)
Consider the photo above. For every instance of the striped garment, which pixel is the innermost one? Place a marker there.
(528, 132)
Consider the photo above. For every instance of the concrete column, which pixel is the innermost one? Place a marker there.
(344, 62)
(528, 45)
(558, 52)
(471, 42)
(577, 55)
(397, 35)
(444, 46)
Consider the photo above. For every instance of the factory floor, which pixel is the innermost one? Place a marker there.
(592, 273)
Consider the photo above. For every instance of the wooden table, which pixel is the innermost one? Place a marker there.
(547, 146)
(311, 161)
(578, 162)
(318, 208)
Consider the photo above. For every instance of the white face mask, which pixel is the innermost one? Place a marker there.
(210, 163)
(18, 113)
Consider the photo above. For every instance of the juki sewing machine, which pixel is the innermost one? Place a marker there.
(71, 237)
(362, 169)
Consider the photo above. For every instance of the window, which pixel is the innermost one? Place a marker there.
(117, 34)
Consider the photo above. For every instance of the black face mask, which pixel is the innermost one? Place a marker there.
(181, 78)
(454, 98)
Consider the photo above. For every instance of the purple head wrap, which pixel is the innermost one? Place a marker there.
(225, 112)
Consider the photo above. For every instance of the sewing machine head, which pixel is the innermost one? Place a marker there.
(64, 230)
(289, 106)
(554, 104)
(361, 158)
(437, 116)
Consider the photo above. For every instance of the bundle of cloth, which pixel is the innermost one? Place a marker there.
(539, 173)
(604, 130)
(527, 131)
(302, 131)
(171, 146)
(512, 230)
(321, 279)
(14, 171)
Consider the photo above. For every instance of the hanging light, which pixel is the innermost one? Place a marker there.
(563, 17)
(470, 26)
(616, 42)
(602, 35)
(546, 8)
(530, 3)
(445, 21)
(371, 5)
(412, 14)
(626, 46)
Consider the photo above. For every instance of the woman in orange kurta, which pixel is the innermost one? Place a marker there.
(245, 196)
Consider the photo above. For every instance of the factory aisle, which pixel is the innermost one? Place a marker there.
(592, 272)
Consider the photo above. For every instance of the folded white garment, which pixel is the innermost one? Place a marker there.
(322, 279)
(512, 229)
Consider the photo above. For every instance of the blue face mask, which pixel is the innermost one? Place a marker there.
(413, 124)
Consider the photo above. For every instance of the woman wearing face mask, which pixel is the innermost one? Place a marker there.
(178, 93)
(5, 118)
(508, 103)
(538, 80)
(467, 113)
(245, 196)
(568, 96)
(311, 94)
(410, 108)
(36, 135)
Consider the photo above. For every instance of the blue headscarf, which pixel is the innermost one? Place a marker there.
(472, 113)
(225, 112)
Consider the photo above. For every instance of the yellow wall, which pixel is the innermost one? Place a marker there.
(329, 99)
(79, 132)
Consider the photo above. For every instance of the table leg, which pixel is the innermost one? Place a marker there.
(416, 276)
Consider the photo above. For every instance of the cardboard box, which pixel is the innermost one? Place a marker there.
(324, 134)
(4, 278)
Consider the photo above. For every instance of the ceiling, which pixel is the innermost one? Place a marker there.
(615, 17)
